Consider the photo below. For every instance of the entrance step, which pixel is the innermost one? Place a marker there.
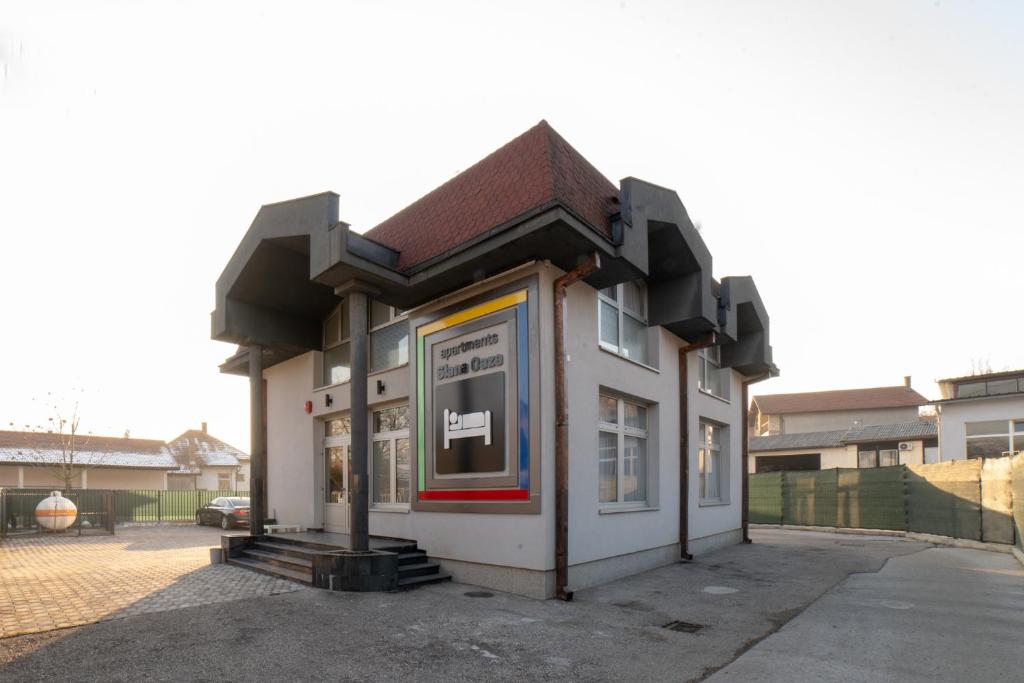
(293, 559)
(305, 577)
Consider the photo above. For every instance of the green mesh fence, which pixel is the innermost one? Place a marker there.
(871, 498)
(809, 498)
(1017, 486)
(765, 495)
(945, 499)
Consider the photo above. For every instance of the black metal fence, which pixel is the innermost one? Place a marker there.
(99, 510)
(18, 511)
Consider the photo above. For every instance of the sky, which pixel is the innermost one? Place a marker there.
(864, 161)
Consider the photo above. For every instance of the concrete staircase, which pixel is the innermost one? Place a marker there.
(293, 559)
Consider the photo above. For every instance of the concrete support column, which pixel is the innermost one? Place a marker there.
(257, 426)
(359, 514)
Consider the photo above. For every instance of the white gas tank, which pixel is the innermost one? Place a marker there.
(56, 513)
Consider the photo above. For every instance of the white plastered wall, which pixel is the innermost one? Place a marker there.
(953, 418)
(291, 448)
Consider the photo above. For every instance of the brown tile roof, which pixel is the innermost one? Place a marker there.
(537, 168)
(843, 399)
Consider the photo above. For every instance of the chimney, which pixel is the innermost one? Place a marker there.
(204, 424)
(906, 383)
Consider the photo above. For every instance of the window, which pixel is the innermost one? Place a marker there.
(712, 378)
(994, 438)
(994, 387)
(710, 463)
(390, 474)
(337, 365)
(622, 451)
(389, 337)
(880, 456)
(223, 481)
(622, 320)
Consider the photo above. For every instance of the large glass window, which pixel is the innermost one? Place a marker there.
(992, 387)
(622, 320)
(391, 465)
(712, 378)
(994, 438)
(710, 463)
(389, 337)
(337, 365)
(622, 451)
(878, 456)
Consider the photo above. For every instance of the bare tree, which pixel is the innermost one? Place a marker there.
(63, 452)
(981, 366)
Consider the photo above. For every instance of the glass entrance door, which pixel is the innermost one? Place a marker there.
(337, 457)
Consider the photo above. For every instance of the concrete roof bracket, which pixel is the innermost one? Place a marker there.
(660, 236)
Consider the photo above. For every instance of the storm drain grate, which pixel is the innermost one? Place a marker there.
(478, 594)
(683, 626)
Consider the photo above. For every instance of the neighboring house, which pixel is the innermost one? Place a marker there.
(822, 411)
(28, 460)
(873, 427)
(981, 415)
(205, 462)
(908, 443)
(454, 300)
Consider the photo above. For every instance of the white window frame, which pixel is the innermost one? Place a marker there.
(341, 441)
(619, 304)
(1008, 435)
(709, 361)
(221, 476)
(719, 459)
(395, 317)
(391, 438)
(621, 431)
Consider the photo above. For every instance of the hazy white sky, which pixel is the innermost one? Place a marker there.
(864, 161)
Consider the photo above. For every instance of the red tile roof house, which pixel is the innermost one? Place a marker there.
(872, 427)
(499, 375)
(32, 460)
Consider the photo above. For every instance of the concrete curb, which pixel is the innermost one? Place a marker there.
(934, 539)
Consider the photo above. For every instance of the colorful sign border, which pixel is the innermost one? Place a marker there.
(515, 300)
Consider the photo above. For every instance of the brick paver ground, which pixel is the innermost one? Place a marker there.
(49, 582)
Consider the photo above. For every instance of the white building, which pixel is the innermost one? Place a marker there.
(441, 329)
(981, 416)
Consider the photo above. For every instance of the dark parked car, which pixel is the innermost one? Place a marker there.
(227, 512)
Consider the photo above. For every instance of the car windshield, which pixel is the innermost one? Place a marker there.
(238, 502)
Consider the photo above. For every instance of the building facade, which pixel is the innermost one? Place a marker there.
(875, 427)
(981, 416)
(530, 372)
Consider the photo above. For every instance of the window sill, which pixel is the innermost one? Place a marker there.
(712, 503)
(617, 509)
(383, 370)
(331, 386)
(714, 396)
(399, 509)
(628, 359)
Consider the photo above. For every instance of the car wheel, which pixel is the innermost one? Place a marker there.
(225, 522)
(199, 519)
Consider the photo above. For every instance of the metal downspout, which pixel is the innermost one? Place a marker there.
(562, 428)
(684, 445)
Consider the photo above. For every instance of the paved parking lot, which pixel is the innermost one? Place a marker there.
(51, 582)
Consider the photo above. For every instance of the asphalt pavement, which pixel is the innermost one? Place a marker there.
(724, 606)
(943, 614)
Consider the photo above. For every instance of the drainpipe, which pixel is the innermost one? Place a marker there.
(562, 429)
(746, 454)
(684, 445)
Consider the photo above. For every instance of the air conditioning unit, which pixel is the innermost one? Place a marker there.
(906, 446)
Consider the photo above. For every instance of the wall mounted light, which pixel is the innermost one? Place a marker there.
(328, 400)
(380, 387)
